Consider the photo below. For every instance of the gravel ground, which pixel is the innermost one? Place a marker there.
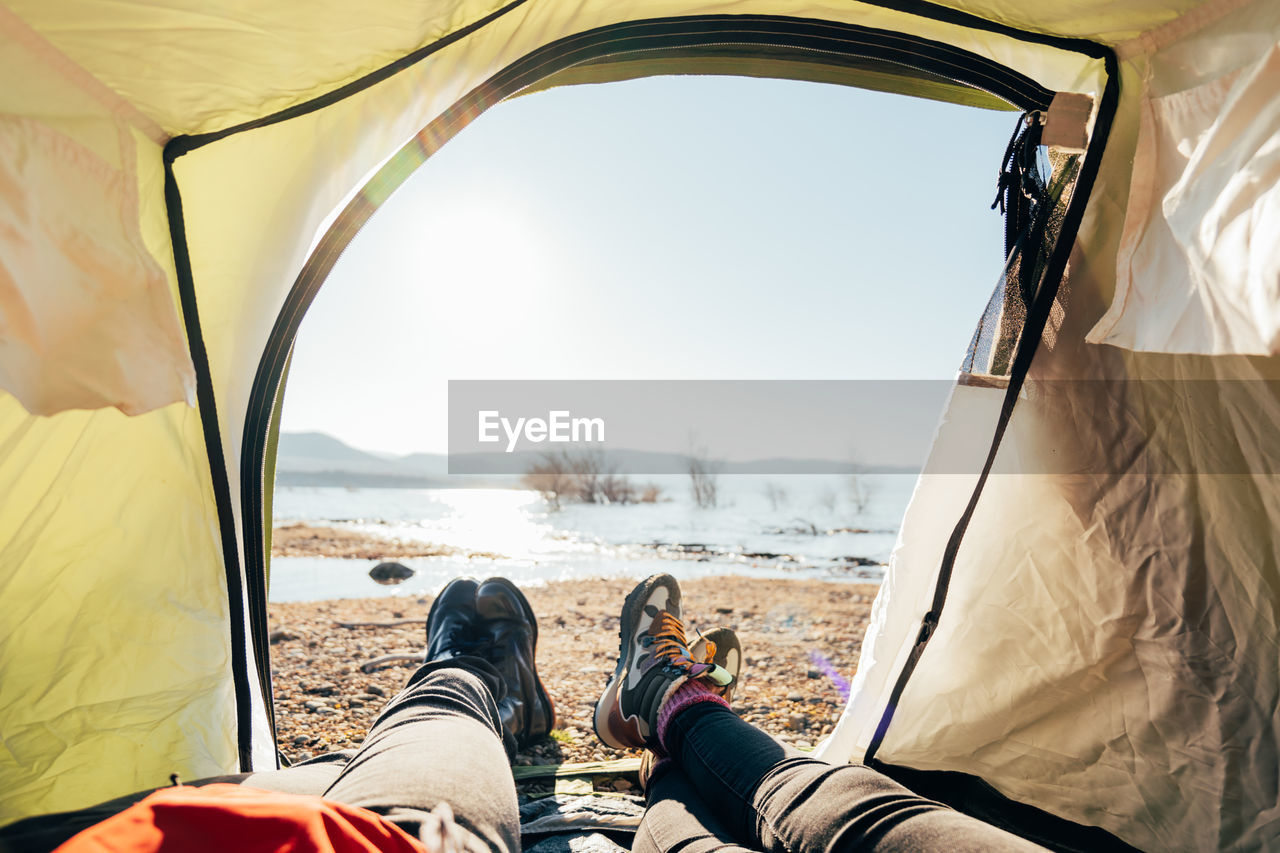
(800, 640)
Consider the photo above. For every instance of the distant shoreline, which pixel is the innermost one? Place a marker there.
(299, 539)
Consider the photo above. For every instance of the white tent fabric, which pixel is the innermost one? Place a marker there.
(1109, 648)
(1191, 277)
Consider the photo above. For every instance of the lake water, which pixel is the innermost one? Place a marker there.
(784, 526)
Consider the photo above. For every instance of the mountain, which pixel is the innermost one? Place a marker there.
(319, 446)
(317, 459)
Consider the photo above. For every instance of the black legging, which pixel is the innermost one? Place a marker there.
(730, 786)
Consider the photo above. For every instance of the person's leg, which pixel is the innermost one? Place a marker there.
(771, 796)
(448, 737)
(789, 802)
(440, 740)
(677, 820)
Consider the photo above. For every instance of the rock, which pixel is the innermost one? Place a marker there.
(813, 673)
(797, 723)
(305, 756)
(375, 690)
(301, 740)
(391, 572)
(325, 710)
(795, 697)
(312, 705)
(278, 635)
(324, 688)
(621, 785)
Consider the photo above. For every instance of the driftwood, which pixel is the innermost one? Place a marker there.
(388, 624)
(393, 657)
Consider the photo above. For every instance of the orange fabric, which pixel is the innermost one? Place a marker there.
(223, 817)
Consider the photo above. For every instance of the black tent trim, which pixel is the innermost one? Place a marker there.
(217, 463)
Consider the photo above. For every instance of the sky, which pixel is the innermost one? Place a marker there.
(671, 227)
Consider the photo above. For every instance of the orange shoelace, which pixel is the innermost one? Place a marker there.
(669, 641)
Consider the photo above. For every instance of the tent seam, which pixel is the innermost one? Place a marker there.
(84, 79)
(186, 143)
(1180, 27)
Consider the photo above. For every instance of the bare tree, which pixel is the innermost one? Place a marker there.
(775, 494)
(551, 477)
(702, 476)
(617, 489)
(861, 488)
(586, 477)
(589, 474)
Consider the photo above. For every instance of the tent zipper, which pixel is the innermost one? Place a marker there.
(1026, 98)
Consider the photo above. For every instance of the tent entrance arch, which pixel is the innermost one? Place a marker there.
(794, 47)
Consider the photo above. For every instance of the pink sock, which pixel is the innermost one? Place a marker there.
(691, 692)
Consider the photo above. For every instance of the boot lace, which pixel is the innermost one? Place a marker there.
(669, 642)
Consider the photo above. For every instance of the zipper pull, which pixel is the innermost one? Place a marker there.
(1018, 168)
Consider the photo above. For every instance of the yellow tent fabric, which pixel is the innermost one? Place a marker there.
(171, 173)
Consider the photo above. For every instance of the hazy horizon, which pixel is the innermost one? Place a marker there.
(524, 454)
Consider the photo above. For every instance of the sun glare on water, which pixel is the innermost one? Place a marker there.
(506, 522)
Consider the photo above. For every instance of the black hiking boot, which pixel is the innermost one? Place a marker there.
(451, 622)
(504, 616)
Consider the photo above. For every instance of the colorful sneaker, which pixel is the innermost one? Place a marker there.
(720, 646)
(653, 661)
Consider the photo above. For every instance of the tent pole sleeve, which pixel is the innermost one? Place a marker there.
(217, 463)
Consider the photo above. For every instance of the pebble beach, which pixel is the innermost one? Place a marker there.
(800, 638)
